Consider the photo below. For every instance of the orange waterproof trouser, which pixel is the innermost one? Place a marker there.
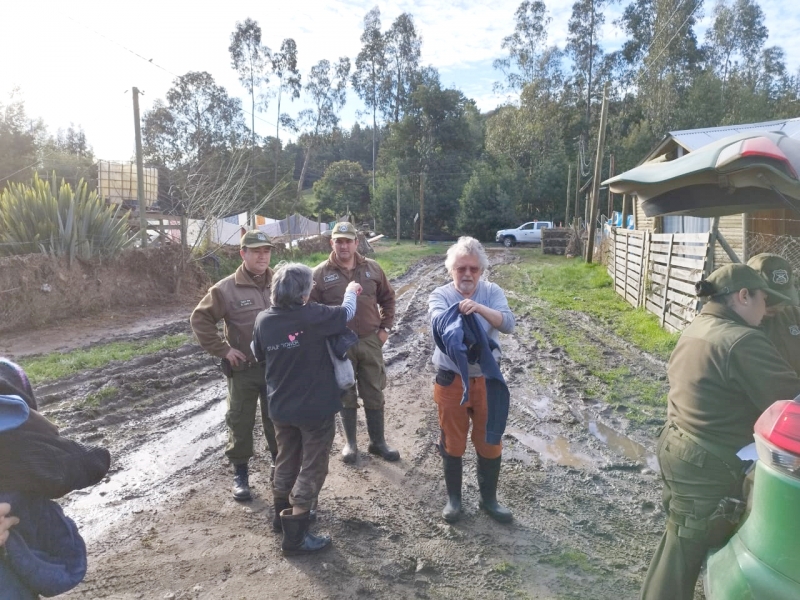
(454, 418)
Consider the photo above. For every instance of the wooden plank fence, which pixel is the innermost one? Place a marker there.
(658, 271)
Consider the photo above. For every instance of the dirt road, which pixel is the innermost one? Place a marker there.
(580, 478)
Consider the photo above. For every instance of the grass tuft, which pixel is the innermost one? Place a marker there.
(57, 365)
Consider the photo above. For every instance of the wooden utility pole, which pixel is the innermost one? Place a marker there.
(610, 195)
(398, 206)
(137, 127)
(421, 206)
(577, 187)
(569, 180)
(626, 203)
(598, 170)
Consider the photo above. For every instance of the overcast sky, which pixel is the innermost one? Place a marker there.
(75, 61)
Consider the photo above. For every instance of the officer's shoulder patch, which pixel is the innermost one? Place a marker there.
(331, 277)
(794, 330)
(367, 273)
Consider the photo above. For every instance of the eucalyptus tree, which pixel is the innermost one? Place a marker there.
(326, 88)
(403, 48)
(583, 48)
(738, 32)
(252, 61)
(284, 67)
(662, 52)
(524, 46)
(367, 80)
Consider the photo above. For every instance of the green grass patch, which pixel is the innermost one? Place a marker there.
(503, 568)
(395, 259)
(100, 397)
(571, 559)
(571, 284)
(57, 365)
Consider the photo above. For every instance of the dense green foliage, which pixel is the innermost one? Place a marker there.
(428, 149)
(51, 218)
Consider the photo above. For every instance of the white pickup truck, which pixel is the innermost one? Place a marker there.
(529, 233)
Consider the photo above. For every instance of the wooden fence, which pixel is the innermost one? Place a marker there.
(658, 271)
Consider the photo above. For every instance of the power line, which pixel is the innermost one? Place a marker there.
(677, 31)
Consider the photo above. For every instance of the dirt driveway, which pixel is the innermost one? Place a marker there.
(580, 478)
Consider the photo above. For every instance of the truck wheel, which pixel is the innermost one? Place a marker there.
(509, 241)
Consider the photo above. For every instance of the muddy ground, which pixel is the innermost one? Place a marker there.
(580, 478)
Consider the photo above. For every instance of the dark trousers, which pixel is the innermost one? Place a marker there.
(370, 371)
(244, 389)
(694, 482)
(303, 453)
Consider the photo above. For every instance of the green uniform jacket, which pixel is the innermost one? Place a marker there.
(236, 300)
(783, 330)
(375, 305)
(722, 375)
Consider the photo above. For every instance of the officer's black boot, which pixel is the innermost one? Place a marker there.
(488, 474)
(349, 424)
(452, 478)
(280, 504)
(296, 538)
(241, 482)
(377, 443)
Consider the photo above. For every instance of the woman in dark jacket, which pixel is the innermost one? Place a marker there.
(723, 374)
(291, 337)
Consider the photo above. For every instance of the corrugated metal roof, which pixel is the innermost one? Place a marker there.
(692, 139)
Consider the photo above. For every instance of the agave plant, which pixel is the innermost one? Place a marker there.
(45, 217)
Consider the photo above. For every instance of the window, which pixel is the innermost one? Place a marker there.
(684, 224)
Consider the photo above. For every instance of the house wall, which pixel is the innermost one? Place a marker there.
(731, 227)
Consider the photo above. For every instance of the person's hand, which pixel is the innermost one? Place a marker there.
(234, 357)
(383, 335)
(354, 286)
(468, 307)
(6, 522)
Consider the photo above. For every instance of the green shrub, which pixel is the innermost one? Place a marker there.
(45, 217)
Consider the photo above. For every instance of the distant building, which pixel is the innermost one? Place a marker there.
(117, 183)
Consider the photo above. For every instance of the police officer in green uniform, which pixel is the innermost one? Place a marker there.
(723, 374)
(782, 321)
(374, 318)
(237, 300)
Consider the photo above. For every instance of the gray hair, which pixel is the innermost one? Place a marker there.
(290, 284)
(466, 246)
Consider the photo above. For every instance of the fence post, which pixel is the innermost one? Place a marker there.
(627, 259)
(644, 269)
(666, 280)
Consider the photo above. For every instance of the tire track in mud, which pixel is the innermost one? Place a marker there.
(164, 523)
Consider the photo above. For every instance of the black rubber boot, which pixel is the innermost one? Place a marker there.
(452, 478)
(377, 443)
(296, 538)
(349, 424)
(280, 505)
(488, 474)
(241, 483)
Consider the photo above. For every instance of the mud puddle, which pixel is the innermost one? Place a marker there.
(140, 478)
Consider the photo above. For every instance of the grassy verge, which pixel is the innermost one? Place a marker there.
(546, 286)
(571, 284)
(57, 365)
